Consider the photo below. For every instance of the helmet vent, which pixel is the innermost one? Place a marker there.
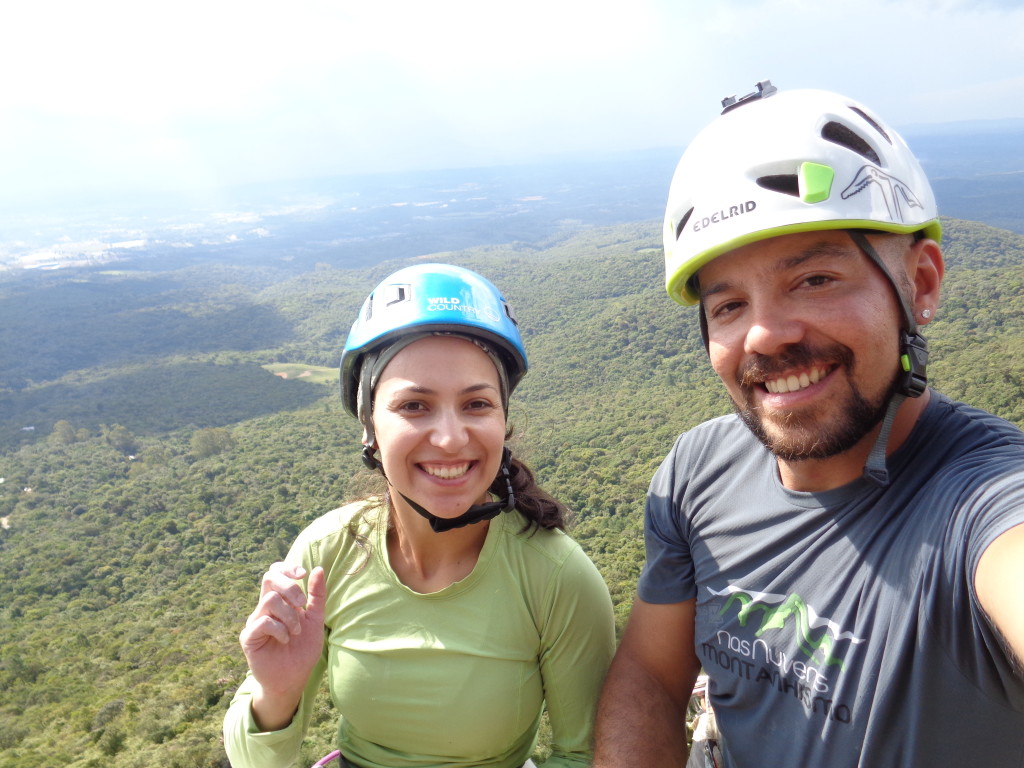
(839, 134)
(786, 183)
(396, 294)
(873, 122)
(682, 223)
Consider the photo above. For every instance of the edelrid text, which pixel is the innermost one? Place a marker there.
(722, 215)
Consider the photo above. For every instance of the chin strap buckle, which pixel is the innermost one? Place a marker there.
(369, 460)
(914, 362)
(476, 513)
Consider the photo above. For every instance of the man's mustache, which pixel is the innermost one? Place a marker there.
(761, 368)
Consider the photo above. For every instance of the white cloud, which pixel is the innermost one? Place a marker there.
(212, 91)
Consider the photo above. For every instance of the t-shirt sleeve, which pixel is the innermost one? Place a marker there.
(1001, 507)
(577, 643)
(667, 576)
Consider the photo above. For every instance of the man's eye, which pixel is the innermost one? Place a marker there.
(816, 280)
(724, 309)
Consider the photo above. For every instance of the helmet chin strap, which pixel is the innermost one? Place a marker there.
(475, 514)
(913, 378)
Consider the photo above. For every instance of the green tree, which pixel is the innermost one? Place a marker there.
(211, 441)
(63, 433)
(120, 439)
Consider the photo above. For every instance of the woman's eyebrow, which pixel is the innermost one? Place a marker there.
(419, 389)
(477, 387)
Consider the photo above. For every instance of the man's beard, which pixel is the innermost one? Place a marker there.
(811, 434)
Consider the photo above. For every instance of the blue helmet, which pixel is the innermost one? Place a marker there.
(432, 298)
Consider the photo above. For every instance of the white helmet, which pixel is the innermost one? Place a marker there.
(798, 161)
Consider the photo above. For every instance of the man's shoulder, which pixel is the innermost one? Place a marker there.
(958, 449)
(725, 433)
(965, 417)
(961, 432)
(723, 449)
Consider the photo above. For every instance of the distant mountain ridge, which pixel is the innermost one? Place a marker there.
(976, 167)
(963, 128)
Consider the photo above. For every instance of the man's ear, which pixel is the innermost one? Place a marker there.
(926, 268)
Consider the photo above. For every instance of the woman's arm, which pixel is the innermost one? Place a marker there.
(578, 640)
(247, 746)
(283, 641)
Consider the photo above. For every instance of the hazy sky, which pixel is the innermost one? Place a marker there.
(111, 93)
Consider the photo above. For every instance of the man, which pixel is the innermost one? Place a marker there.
(844, 556)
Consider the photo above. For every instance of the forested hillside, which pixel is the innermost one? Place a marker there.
(152, 464)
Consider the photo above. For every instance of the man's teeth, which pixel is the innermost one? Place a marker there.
(792, 383)
(447, 473)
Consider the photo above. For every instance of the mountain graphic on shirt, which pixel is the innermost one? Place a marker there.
(816, 636)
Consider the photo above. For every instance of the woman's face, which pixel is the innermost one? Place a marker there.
(439, 424)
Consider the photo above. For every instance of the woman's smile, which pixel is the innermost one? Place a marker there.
(446, 472)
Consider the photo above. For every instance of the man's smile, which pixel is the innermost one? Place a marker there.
(794, 382)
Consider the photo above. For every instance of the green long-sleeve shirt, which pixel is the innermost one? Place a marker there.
(452, 678)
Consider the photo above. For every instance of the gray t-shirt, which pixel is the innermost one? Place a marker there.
(841, 628)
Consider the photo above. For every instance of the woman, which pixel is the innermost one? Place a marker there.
(449, 612)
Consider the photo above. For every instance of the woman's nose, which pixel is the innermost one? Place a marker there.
(449, 432)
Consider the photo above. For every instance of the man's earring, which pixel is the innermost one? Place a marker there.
(926, 313)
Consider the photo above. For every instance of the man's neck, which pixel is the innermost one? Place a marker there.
(825, 474)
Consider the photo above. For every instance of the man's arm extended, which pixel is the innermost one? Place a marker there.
(641, 720)
(998, 582)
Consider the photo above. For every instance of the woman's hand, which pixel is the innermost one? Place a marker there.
(283, 640)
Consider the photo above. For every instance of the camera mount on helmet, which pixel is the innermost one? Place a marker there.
(764, 90)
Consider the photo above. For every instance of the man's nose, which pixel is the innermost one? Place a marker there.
(771, 329)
